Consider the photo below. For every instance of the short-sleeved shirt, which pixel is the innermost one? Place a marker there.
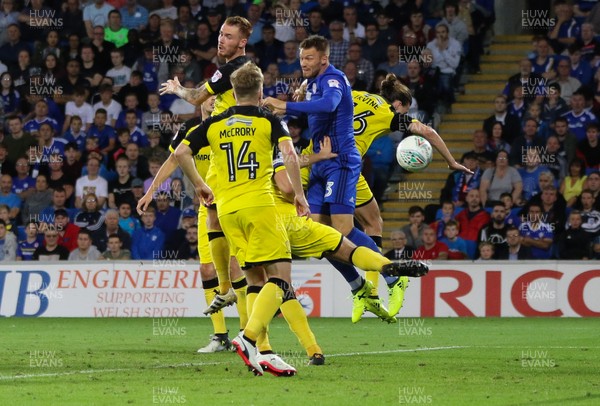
(242, 140)
(97, 16)
(220, 84)
(433, 253)
(85, 185)
(500, 185)
(202, 158)
(85, 112)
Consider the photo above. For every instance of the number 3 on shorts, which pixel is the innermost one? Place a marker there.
(328, 190)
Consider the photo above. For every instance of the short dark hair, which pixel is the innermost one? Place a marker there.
(498, 203)
(316, 41)
(85, 231)
(415, 209)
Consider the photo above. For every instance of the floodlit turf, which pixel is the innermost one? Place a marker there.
(417, 361)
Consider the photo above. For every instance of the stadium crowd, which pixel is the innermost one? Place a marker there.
(83, 130)
(535, 189)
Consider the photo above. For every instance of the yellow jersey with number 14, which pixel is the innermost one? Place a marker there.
(242, 140)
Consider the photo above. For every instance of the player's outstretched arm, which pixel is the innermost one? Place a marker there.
(292, 167)
(184, 157)
(163, 173)
(274, 105)
(438, 143)
(196, 96)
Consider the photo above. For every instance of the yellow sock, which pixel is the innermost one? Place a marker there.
(373, 277)
(251, 298)
(368, 260)
(262, 343)
(266, 304)
(240, 286)
(296, 317)
(218, 319)
(219, 250)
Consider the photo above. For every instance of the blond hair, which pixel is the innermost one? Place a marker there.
(247, 81)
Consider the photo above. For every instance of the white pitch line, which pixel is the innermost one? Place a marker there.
(100, 371)
(193, 364)
(350, 354)
(550, 347)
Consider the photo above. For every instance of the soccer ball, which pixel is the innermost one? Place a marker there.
(414, 153)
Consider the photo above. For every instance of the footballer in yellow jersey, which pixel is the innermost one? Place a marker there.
(242, 140)
(211, 283)
(233, 37)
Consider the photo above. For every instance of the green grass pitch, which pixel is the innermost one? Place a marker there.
(417, 361)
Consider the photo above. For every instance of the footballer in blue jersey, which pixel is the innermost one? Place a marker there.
(330, 109)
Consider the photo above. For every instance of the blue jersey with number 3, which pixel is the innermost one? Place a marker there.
(330, 109)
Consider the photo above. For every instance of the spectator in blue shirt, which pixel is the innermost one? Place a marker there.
(531, 172)
(41, 117)
(167, 217)
(32, 241)
(9, 198)
(544, 62)
(147, 241)
(76, 134)
(580, 68)
(104, 133)
(566, 30)
(290, 66)
(134, 16)
(537, 234)
(578, 118)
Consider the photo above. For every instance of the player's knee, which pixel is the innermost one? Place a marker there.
(208, 271)
(344, 251)
(213, 220)
(255, 276)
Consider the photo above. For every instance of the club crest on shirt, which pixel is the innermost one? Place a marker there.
(333, 83)
(216, 76)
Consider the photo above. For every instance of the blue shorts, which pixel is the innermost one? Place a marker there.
(332, 185)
